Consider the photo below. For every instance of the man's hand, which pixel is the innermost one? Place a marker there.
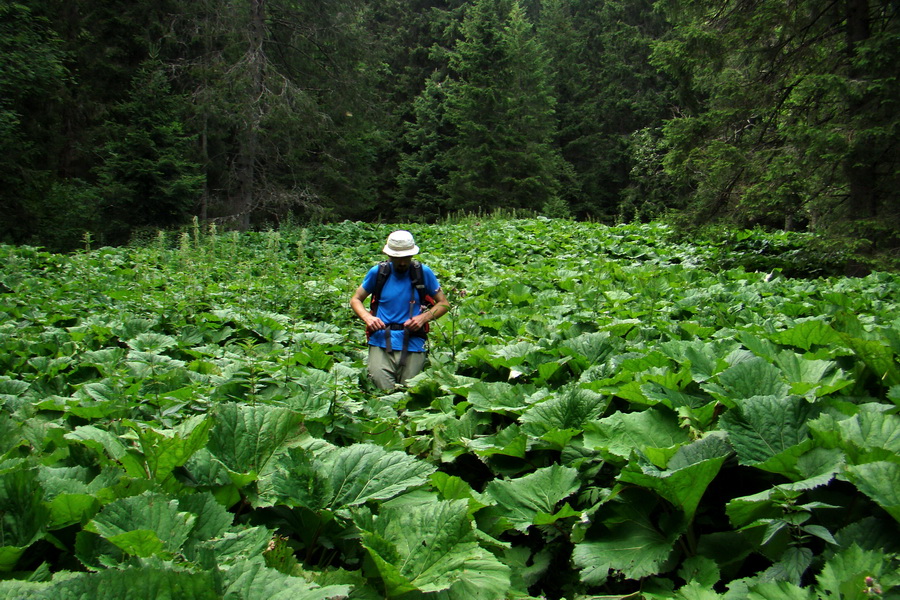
(374, 324)
(417, 322)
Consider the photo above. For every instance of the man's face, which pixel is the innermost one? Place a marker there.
(401, 264)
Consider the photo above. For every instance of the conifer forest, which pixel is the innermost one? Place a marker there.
(121, 118)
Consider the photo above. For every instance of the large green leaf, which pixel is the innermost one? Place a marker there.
(312, 394)
(127, 584)
(252, 580)
(212, 519)
(165, 450)
(747, 379)
(526, 500)
(879, 357)
(630, 543)
(689, 473)
(146, 525)
(761, 427)
(510, 441)
(340, 478)
(880, 481)
(808, 334)
(571, 409)
(500, 397)
(364, 472)
(621, 433)
(590, 348)
(245, 437)
(870, 435)
(103, 440)
(811, 378)
(844, 575)
(23, 515)
(430, 548)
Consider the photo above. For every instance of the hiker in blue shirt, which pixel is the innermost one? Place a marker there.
(406, 295)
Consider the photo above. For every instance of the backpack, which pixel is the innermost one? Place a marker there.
(416, 278)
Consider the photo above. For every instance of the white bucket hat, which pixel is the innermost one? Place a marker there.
(400, 243)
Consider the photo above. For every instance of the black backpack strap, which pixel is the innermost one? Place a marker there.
(384, 271)
(417, 278)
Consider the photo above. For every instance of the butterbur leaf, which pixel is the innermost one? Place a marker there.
(430, 548)
(252, 580)
(747, 379)
(689, 474)
(9, 556)
(311, 394)
(844, 575)
(102, 440)
(791, 566)
(144, 525)
(212, 519)
(590, 348)
(521, 500)
(151, 342)
(295, 481)
(364, 472)
(23, 516)
(779, 590)
(760, 427)
(164, 450)
(497, 397)
(811, 378)
(880, 481)
(630, 543)
(621, 433)
(570, 410)
(712, 446)
(123, 584)
(880, 358)
(484, 578)
(69, 509)
(808, 334)
(508, 442)
(244, 438)
(237, 546)
(138, 542)
(700, 569)
(872, 430)
(673, 398)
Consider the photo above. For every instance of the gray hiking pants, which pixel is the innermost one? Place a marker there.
(385, 370)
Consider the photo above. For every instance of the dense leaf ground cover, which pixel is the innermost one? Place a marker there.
(606, 413)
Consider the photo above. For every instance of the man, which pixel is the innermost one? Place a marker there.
(396, 326)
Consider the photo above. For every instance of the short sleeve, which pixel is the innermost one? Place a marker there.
(432, 285)
(368, 283)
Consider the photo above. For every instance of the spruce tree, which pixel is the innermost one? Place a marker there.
(606, 90)
(788, 116)
(423, 169)
(147, 177)
(501, 108)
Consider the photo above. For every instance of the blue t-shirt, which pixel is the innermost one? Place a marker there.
(398, 298)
